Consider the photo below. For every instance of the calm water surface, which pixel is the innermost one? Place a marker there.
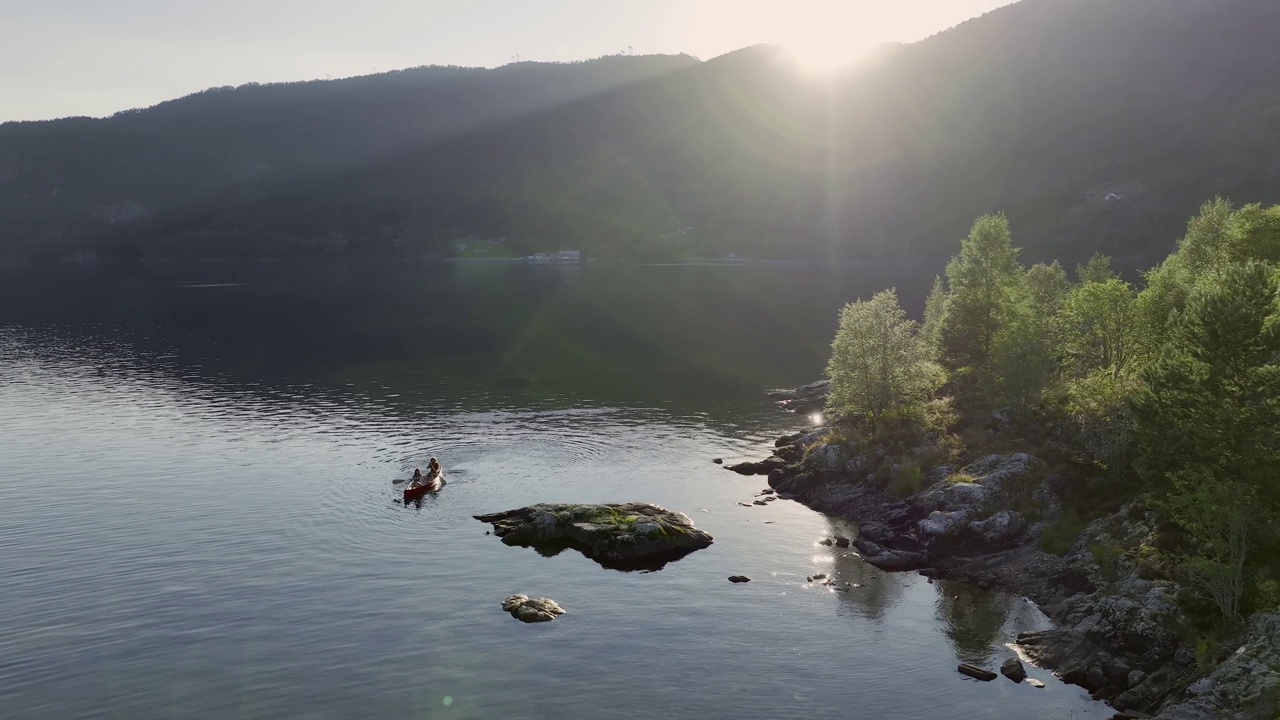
(197, 516)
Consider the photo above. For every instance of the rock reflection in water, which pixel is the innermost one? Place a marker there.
(878, 591)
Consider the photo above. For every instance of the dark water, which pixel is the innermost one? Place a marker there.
(197, 518)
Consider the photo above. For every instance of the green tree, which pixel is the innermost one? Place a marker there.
(1023, 352)
(935, 316)
(1100, 327)
(1049, 287)
(879, 365)
(1097, 270)
(1208, 423)
(1098, 404)
(1216, 238)
(980, 277)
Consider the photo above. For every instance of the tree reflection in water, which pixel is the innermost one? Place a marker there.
(973, 619)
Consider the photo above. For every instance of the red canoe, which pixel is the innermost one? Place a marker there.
(414, 491)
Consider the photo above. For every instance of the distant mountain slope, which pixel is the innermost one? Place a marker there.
(1093, 123)
(66, 179)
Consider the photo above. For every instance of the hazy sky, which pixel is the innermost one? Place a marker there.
(95, 57)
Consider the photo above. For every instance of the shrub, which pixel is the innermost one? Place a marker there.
(1060, 534)
(1107, 556)
(907, 479)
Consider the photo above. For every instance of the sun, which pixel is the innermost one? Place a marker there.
(826, 35)
(820, 57)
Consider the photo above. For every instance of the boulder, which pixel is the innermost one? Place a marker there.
(939, 524)
(825, 457)
(1012, 669)
(535, 610)
(1000, 529)
(887, 559)
(623, 536)
(952, 496)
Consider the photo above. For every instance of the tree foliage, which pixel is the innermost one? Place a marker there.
(1100, 327)
(879, 365)
(1180, 381)
(1208, 422)
(980, 279)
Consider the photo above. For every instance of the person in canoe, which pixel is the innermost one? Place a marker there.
(432, 481)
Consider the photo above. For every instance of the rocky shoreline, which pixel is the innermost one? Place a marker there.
(1118, 629)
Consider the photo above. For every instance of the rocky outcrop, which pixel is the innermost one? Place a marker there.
(623, 536)
(531, 611)
(806, 399)
(1119, 633)
(1245, 686)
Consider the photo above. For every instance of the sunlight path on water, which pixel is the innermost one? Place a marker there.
(179, 537)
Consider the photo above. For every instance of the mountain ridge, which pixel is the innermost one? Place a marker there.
(1095, 125)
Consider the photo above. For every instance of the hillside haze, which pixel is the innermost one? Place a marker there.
(1094, 124)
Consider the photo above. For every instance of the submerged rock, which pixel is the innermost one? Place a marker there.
(623, 536)
(764, 467)
(976, 672)
(535, 610)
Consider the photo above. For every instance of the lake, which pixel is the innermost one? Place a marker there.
(197, 516)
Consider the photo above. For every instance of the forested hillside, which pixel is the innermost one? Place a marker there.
(1093, 124)
(64, 182)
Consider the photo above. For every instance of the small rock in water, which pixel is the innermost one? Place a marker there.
(841, 541)
(739, 579)
(1035, 683)
(531, 611)
(768, 522)
(976, 672)
(759, 502)
(745, 504)
(825, 541)
(1012, 669)
(718, 461)
(820, 576)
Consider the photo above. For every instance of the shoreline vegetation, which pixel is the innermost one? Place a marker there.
(1108, 450)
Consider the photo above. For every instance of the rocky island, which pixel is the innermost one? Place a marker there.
(1121, 634)
(625, 536)
(1104, 449)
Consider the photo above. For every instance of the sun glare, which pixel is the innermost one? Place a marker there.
(827, 35)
